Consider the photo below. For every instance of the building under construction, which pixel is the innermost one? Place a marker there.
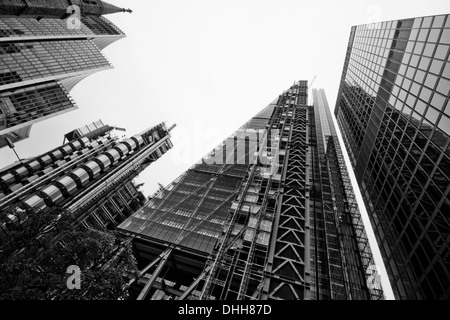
(268, 214)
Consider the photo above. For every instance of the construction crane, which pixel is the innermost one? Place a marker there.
(310, 86)
(311, 83)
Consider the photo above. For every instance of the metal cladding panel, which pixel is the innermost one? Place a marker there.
(139, 139)
(94, 144)
(34, 165)
(46, 159)
(52, 193)
(67, 149)
(60, 162)
(21, 171)
(7, 178)
(76, 144)
(81, 174)
(33, 178)
(94, 166)
(15, 187)
(105, 160)
(68, 183)
(85, 141)
(123, 148)
(57, 154)
(114, 154)
(34, 202)
(131, 143)
(47, 170)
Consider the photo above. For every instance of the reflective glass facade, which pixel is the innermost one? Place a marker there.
(89, 26)
(268, 214)
(31, 102)
(342, 249)
(40, 61)
(394, 114)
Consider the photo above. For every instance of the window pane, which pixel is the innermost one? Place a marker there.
(436, 66)
(420, 107)
(444, 124)
(441, 52)
(425, 94)
(432, 115)
(443, 86)
(422, 35)
(438, 21)
(445, 36)
(438, 101)
(434, 35)
(429, 49)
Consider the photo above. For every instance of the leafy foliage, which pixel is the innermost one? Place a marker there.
(34, 258)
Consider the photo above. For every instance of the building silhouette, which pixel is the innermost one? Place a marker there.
(268, 214)
(42, 57)
(394, 114)
(91, 175)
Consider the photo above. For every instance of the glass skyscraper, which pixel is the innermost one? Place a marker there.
(41, 60)
(268, 214)
(393, 110)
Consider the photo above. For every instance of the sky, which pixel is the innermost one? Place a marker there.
(208, 66)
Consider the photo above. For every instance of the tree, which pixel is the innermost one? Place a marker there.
(39, 251)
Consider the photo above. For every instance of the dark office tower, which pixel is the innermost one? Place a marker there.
(268, 214)
(394, 114)
(41, 61)
(91, 175)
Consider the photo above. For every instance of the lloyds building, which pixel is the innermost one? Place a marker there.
(393, 110)
(268, 214)
(90, 175)
(46, 48)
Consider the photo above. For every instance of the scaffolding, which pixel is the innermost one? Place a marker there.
(275, 232)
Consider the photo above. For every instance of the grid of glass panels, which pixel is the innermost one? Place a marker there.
(19, 27)
(100, 26)
(369, 54)
(89, 26)
(406, 183)
(33, 60)
(32, 102)
(192, 210)
(191, 213)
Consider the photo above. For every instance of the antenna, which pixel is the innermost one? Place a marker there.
(11, 145)
(311, 83)
(310, 86)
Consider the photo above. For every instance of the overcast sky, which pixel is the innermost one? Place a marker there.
(209, 66)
